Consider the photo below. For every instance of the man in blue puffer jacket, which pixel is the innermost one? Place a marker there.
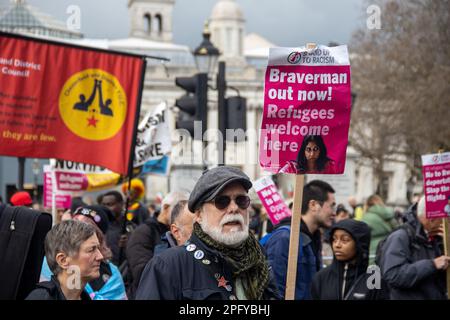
(318, 210)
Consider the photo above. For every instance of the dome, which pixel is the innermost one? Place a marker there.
(227, 10)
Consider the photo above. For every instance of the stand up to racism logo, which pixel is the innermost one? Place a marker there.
(93, 104)
(294, 57)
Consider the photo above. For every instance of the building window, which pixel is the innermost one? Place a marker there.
(216, 38)
(158, 24)
(228, 42)
(240, 42)
(147, 23)
(385, 185)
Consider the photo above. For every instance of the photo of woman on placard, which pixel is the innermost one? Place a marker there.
(312, 158)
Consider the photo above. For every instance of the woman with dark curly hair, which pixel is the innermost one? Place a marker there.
(312, 158)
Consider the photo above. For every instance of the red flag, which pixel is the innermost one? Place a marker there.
(68, 102)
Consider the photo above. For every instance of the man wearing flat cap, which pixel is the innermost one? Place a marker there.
(222, 260)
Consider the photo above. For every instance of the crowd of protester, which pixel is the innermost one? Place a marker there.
(208, 245)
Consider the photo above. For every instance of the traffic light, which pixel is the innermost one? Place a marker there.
(236, 111)
(193, 105)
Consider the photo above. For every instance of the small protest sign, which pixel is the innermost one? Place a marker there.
(436, 184)
(272, 200)
(63, 199)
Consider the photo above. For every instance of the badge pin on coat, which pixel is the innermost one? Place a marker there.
(222, 282)
(191, 247)
(199, 254)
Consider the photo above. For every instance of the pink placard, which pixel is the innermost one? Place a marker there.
(71, 181)
(436, 184)
(63, 201)
(306, 117)
(271, 200)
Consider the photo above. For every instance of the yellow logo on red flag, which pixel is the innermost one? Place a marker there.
(93, 104)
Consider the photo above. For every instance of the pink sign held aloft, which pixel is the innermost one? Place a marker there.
(271, 200)
(63, 200)
(436, 184)
(306, 116)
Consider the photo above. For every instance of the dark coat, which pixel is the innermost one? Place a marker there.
(176, 274)
(167, 241)
(51, 290)
(141, 214)
(328, 283)
(141, 245)
(408, 268)
(309, 258)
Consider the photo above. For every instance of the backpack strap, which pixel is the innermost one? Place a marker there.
(411, 232)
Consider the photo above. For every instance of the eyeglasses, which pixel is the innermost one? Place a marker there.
(221, 202)
(315, 149)
(89, 213)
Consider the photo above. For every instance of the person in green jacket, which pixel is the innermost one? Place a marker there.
(381, 221)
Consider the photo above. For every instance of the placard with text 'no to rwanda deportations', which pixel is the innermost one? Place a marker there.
(67, 102)
(306, 117)
(436, 184)
(271, 199)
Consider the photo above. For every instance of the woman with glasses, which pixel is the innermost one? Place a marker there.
(312, 158)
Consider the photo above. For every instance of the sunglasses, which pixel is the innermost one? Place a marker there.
(315, 149)
(89, 213)
(221, 202)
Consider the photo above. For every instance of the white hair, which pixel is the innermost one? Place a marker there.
(174, 197)
(421, 210)
(232, 238)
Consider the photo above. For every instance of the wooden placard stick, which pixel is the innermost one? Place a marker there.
(446, 243)
(446, 251)
(291, 276)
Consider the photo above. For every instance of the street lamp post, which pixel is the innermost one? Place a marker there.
(206, 56)
(36, 171)
(21, 177)
(221, 108)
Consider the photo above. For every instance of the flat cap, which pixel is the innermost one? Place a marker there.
(213, 181)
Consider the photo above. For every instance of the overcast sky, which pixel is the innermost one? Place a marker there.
(283, 22)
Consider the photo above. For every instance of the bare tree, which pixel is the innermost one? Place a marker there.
(401, 74)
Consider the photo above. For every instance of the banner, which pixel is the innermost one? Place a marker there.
(306, 117)
(67, 102)
(436, 184)
(73, 177)
(271, 200)
(63, 199)
(153, 136)
(159, 167)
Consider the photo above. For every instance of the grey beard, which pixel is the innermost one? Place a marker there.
(232, 239)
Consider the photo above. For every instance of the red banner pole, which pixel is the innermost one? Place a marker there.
(133, 146)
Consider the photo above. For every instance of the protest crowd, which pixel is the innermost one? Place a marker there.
(215, 244)
(151, 195)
